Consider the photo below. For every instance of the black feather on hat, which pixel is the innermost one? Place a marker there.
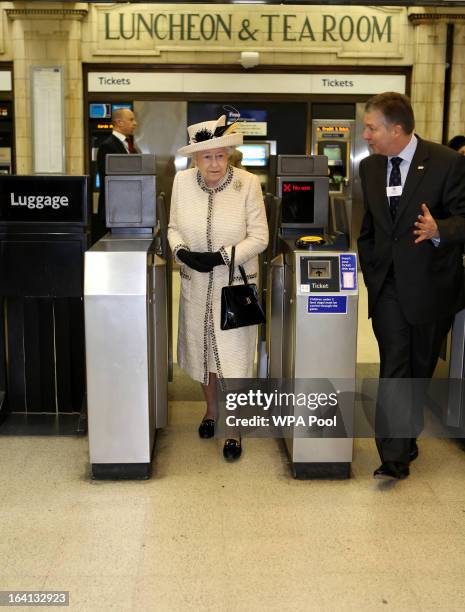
(202, 135)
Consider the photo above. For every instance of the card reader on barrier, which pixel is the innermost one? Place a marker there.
(312, 318)
(323, 241)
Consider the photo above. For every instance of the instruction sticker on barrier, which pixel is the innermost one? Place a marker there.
(348, 271)
(327, 304)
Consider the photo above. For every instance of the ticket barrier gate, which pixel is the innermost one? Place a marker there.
(455, 411)
(125, 299)
(273, 216)
(312, 324)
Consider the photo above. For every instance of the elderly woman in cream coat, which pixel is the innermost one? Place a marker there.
(213, 208)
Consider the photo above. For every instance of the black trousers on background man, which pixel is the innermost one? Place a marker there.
(406, 352)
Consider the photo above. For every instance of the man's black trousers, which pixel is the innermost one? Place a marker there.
(406, 352)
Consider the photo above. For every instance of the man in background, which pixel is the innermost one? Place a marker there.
(120, 141)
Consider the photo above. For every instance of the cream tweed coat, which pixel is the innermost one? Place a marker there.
(203, 219)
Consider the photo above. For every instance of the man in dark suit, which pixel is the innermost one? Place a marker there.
(120, 141)
(410, 250)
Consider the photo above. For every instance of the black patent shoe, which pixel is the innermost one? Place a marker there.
(232, 449)
(207, 428)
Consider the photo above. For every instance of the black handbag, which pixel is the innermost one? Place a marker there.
(239, 303)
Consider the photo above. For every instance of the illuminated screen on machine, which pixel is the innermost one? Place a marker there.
(99, 110)
(332, 152)
(254, 154)
(298, 201)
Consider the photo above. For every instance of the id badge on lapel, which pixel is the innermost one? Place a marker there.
(394, 191)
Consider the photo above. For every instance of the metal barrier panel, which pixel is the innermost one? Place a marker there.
(126, 348)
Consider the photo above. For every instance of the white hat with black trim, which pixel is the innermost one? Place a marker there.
(210, 135)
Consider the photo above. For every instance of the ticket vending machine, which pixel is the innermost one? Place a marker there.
(259, 157)
(312, 309)
(335, 139)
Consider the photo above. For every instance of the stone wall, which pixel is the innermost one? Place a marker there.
(45, 34)
(457, 99)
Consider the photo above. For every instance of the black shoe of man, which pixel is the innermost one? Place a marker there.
(391, 470)
(413, 450)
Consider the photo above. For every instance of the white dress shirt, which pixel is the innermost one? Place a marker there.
(406, 155)
(121, 137)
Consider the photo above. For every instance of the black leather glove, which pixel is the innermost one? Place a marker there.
(210, 259)
(190, 258)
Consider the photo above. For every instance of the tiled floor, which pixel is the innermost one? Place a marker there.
(205, 535)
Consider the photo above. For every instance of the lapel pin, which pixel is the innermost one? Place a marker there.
(420, 168)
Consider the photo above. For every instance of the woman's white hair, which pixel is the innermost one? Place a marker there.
(229, 151)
